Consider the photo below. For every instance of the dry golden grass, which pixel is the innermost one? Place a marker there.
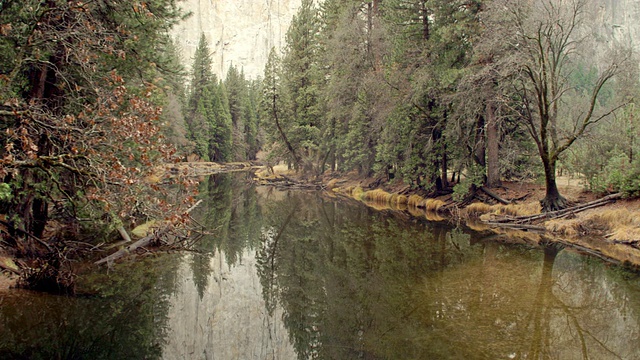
(400, 200)
(563, 227)
(401, 207)
(626, 233)
(433, 204)
(415, 200)
(282, 169)
(615, 217)
(143, 230)
(332, 183)
(357, 193)
(477, 209)
(526, 209)
(345, 190)
(477, 225)
(485, 212)
(378, 206)
(433, 216)
(378, 195)
(620, 223)
(415, 211)
(152, 179)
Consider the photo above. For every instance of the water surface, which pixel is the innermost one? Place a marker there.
(298, 275)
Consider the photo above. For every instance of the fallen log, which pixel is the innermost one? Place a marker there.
(142, 242)
(495, 196)
(632, 243)
(518, 226)
(206, 168)
(284, 182)
(560, 213)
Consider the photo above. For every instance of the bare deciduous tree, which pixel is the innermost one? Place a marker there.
(545, 38)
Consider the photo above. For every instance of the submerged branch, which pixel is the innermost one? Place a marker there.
(142, 242)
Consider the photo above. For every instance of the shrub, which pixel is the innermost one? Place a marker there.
(619, 175)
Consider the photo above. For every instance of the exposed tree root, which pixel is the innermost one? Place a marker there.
(554, 204)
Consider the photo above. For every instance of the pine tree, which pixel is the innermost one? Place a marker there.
(432, 49)
(220, 141)
(237, 91)
(301, 82)
(198, 110)
(251, 124)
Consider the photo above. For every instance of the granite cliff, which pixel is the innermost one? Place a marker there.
(242, 32)
(239, 32)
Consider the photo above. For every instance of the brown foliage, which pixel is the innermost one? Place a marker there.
(81, 130)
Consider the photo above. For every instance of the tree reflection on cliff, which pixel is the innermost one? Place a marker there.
(355, 283)
(229, 217)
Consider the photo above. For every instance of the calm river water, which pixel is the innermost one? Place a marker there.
(298, 275)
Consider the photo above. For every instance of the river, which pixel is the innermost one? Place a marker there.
(300, 275)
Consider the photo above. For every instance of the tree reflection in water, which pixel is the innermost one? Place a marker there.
(355, 283)
(336, 280)
(126, 319)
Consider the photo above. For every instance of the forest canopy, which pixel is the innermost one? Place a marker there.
(438, 93)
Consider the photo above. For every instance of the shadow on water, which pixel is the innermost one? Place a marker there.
(281, 275)
(127, 320)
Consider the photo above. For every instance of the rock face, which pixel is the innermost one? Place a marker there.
(228, 320)
(239, 32)
(242, 32)
(619, 20)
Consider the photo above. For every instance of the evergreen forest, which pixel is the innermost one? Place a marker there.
(442, 95)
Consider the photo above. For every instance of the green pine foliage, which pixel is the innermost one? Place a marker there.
(429, 91)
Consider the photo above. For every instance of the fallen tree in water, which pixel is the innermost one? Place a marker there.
(145, 241)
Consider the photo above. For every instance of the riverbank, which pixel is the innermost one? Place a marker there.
(610, 230)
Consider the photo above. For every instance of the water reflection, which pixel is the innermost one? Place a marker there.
(355, 283)
(228, 321)
(126, 321)
(284, 275)
(218, 311)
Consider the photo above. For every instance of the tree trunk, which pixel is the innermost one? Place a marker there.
(552, 201)
(444, 164)
(479, 152)
(493, 147)
(426, 33)
(274, 110)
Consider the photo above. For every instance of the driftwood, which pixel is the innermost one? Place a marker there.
(283, 182)
(124, 234)
(632, 243)
(559, 213)
(517, 226)
(203, 168)
(142, 242)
